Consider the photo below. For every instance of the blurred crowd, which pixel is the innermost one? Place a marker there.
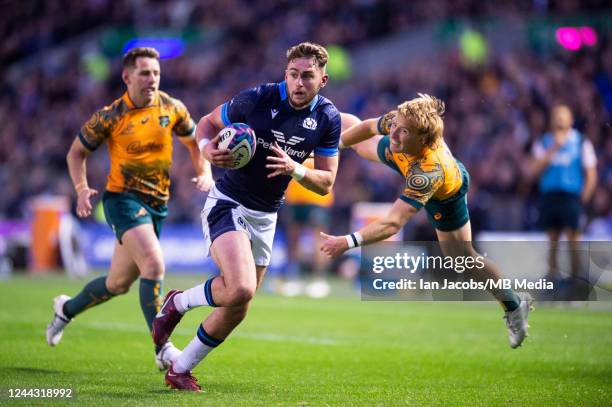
(494, 111)
(31, 26)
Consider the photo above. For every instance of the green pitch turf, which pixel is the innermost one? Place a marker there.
(303, 352)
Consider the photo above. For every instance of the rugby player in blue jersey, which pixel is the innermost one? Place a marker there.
(291, 120)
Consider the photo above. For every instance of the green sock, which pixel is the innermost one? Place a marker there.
(150, 299)
(94, 293)
(507, 298)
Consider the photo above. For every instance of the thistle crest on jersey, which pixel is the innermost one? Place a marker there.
(310, 123)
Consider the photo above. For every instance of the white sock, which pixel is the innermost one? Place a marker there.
(194, 352)
(193, 297)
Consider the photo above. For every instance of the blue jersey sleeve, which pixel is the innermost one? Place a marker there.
(237, 109)
(328, 145)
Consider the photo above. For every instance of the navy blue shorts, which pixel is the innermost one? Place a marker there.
(560, 210)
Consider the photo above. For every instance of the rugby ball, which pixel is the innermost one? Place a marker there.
(240, 140)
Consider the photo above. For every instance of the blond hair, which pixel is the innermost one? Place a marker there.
(309, 50)
(129, 59)
(424, 115)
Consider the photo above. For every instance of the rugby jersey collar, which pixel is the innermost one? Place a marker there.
(282, 90)
(128, 101)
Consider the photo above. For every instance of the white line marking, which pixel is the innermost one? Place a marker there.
(269, 337)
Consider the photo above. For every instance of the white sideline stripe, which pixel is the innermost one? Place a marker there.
(124, 327)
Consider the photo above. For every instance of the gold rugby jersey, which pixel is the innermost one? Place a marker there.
(139, 144)
(433, 174)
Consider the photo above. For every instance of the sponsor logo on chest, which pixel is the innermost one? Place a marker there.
(280, 137)
(137, 147)
(285, 144)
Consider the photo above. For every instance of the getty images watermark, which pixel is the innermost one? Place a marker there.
(450, 271)
(459, 264)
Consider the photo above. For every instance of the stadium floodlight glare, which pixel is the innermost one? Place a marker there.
(167, 47)
(588, 35)
(573, 38)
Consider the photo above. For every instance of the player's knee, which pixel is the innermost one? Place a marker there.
(118, 286)
(153, 267)
(241, 294)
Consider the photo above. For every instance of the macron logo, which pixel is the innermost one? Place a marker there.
(293, 140)
(274, 113)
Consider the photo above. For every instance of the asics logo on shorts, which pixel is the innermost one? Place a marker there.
(141, 212)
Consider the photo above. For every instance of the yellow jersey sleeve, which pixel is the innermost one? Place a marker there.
(97, 129)
(385, 121)
(184, 125)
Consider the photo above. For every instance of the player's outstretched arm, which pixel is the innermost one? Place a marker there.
(359, 132)
(348, 120)
(77, 168)
(377, 231)
(368, 149)
(207, 139)
(361, 136)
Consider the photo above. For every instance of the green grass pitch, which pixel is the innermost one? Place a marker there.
(304, 352)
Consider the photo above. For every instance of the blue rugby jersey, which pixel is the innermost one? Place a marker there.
(565, 170)
(267, 110)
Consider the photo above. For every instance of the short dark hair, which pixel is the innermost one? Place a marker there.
(309, 50)
(129, 59)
